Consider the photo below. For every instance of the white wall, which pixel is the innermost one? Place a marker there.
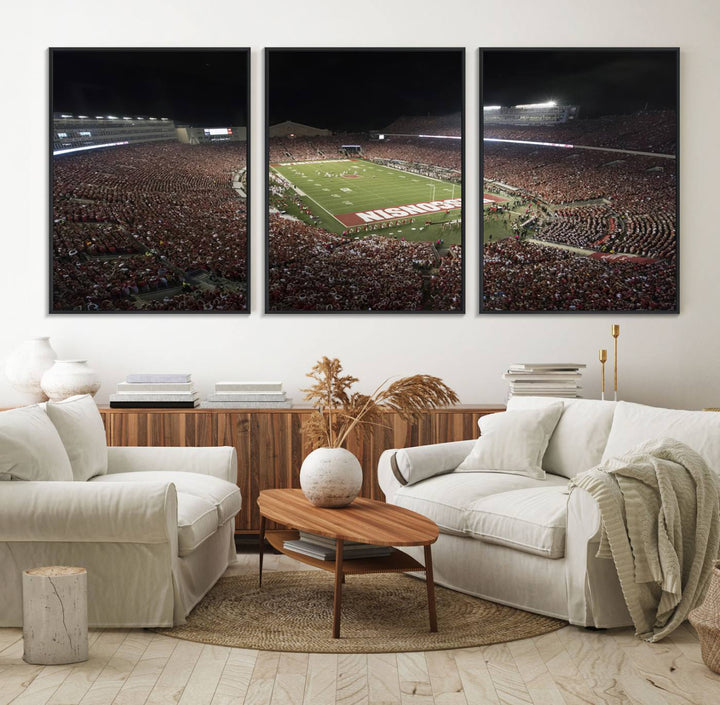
(664, 359)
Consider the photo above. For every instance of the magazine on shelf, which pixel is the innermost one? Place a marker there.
(155, 387)
(326, 540)
(326, 553)
(158, 377)
(248, 387)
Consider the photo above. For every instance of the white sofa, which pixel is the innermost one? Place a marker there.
(527, 541)
(154, 527)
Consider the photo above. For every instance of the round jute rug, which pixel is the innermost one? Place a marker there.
(380, 613)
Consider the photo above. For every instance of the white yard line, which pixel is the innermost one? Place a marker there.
(304, 195)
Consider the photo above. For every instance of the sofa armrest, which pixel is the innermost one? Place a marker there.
(406, 466)
(88, 512)
(219, 462)
(583, 518)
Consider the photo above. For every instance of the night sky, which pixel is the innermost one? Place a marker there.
(203, 88)
(358, 90)
(600, 82)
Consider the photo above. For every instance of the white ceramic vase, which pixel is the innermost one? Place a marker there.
(331, 477)
(66, 378)
(26, 366)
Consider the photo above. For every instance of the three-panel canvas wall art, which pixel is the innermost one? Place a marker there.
(364, 165)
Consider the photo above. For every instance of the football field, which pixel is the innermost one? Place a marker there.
(357, 196)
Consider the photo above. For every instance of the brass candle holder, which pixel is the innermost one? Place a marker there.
(615, 330)
(603, 360)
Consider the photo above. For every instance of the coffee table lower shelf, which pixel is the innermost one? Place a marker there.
(396, 562)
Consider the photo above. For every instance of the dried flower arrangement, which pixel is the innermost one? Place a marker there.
(338, 411)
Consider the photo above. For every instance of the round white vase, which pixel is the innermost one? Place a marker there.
(27, 364)
(66, 378)
(331, 477)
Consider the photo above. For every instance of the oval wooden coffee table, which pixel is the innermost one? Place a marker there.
(366, 521)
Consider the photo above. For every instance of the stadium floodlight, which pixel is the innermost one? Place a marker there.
(64, 115)
(99, 117)
(139, 118)
(165, 119)
(127, 118)
(492, 107)
(82, 117)
(442, 137)
(547, 104)
(113, 117)
(152, 118)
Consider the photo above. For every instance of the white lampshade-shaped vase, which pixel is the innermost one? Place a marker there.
(331, 477)
(66, 378)
(25, 366)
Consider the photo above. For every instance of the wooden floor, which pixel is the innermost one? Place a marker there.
(567, 666)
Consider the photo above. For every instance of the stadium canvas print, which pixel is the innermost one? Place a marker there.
(365, 173)
(149, 180)
(580, 180)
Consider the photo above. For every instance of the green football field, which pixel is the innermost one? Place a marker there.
(346, 195)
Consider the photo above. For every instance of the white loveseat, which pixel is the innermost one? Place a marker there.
(154, 527)
(527, 541)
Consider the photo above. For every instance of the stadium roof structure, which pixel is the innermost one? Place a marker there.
(290, 128)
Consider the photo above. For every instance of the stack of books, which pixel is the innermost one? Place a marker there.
(323, 548)
(155, 391)
(544, 379)
(247, 395)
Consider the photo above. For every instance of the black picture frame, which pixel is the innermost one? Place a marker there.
(619, 209)
(149, 154)
(321, 270)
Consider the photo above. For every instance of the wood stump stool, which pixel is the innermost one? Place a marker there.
(55, 625)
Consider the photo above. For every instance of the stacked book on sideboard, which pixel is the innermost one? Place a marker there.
(323, 548)
(156, 391)
(544, 379)
(247, 395)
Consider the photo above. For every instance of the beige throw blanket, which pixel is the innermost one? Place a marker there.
(659, 509)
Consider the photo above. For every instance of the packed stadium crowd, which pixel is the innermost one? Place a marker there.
(652, 131)
(446, 284)
(426, 125)
(579, 227)
(312, 270)
(443, 153)
(143, 218)
(524, 276)
(560, 176)
(633, 198)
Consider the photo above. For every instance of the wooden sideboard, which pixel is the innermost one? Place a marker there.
(270, 443)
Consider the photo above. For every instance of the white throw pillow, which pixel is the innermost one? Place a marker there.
(579, 439)
(634, 424)
(513, 442)
(30, 447)
(81, 429)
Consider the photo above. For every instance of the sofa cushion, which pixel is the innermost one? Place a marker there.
(635, 423)
(446, 499)
(421, 462)
(580, 437)
(197, 521)
(223, 495)
(532, 520)
(513, 442)
(81, 429)
(30, 447)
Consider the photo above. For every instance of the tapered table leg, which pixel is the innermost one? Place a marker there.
(429, 580)
(261, 548)
(337, 598)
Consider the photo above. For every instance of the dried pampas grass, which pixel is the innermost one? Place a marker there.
(338, 411)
